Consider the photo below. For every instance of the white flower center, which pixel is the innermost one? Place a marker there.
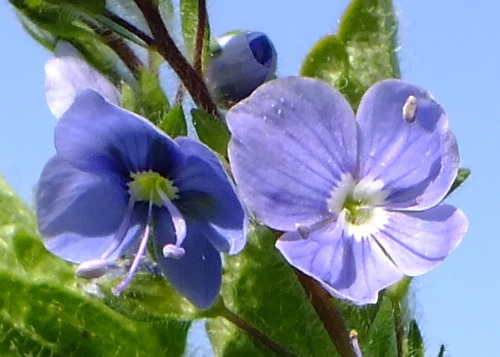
(358, 206)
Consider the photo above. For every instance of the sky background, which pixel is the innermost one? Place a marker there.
(450, 48)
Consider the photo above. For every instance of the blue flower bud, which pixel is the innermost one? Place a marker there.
(242, 62)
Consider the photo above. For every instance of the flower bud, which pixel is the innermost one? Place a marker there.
(241, 63)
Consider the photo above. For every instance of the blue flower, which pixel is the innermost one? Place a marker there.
(242, 63)
(358, 196)
(116, 183)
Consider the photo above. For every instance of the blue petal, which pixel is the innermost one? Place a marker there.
(245, 62)
(419, 241)
(347, 268)
(80, 213)
(207, 196)
(97, 136)
(417, 160)
(198, 274)
(292, 141)
(67, 74)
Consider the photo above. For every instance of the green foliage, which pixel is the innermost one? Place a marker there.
(44, 312)
(211, 131)
(174, 123)
(363, 51)
(260, 287)
(462, 175)
(414, 341)
(151, 100)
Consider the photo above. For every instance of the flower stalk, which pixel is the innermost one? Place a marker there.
(165, 45)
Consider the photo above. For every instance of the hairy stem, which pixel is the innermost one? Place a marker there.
(129, 27)
(328, 314)
(166, 47)
(200, 36)
(120, 47)
(255, 333)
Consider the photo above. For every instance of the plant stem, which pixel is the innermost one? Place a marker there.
(120, 47)
(328, 313)
(254, 332)
(166, 47)
(129, 27)
(200, 36)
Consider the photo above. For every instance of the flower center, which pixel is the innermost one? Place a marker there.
(147, 185)
(357, 206)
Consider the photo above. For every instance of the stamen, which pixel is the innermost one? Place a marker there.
(138, 256)
(173, 251)
(92, 269)
(122, 230)
(177, 219)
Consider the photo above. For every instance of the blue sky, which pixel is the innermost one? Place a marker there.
(452, 50)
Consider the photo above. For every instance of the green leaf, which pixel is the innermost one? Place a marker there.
(462, 175)
(174, 123)
(363, 52)
(442, 350)
(414, 341)
(211, 131)
(92, 7)
(45, 312)
(189, 18)
(260, 287)
(380, 340)
(151, 100)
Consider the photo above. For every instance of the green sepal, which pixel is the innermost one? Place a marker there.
(363, 52)
(46, 312)
(261, 287)
(174, 122)
(211, 131)
(462, 175)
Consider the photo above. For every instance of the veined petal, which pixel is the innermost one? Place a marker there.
(348, 268)
(207, 196)
(79, 213)
(418, 241)
(412, 151)
(198, 274)
(67, 74)
(99, 137)
(292, 140)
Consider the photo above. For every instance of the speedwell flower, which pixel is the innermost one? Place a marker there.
(358, 197)
(241, 63)
(116, 181)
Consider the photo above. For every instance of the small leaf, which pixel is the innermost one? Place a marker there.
(151, 100)
(462, 175)
(211, 131)
(414, 342)
(442, 350)
(174, 122)
(363, 52)
(260, 287)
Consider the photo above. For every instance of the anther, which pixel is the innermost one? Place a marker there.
(409, 110)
